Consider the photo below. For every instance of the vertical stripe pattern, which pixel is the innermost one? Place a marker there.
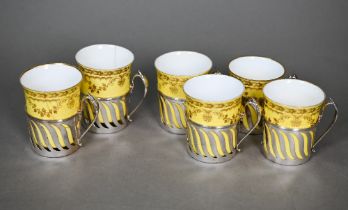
(112, 115)
(172, 112)
(287, 147)
(211, 145)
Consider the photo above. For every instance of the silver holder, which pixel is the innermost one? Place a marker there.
(113, 115)
(293, 146)
(216, 144)
(58, 138)
(172, 114)
(287, 146)
(211, 145)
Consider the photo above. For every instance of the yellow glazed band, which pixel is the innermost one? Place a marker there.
(291, 117)
(105, 84)
(171, 85)
(58, 105)
(214, 114)
(253, 88)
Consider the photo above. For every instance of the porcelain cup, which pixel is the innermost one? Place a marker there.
(54, 109)
(213, 110)
(254, 72)
(106, 71)
(292, 110)
(173, 70)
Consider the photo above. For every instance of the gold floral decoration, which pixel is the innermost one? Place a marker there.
(108, 77)
(302, 117)
(173, 83)
(227, 113)
(46, 105)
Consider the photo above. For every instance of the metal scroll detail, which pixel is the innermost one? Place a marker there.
(249, 120)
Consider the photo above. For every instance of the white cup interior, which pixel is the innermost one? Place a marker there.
(51, 77)
(214, 88)
(294, 93)
(104, 57)
(256, 68)
(183, 63)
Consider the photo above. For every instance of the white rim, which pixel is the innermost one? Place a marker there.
(183, 63)
(214, 88)
(294, 93)
(256, 68)
(51, 77)
(104, 57)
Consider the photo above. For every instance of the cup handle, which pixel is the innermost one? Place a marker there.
(292, 76)
(95, 103)
(256, 106)
(334, 119)
(146, 85)
(216, 72)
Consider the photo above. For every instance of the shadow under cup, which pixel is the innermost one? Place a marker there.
(292, 110)
(173, 70)
(53, 107)
(213, 110)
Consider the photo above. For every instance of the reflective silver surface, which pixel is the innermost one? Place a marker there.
(211, 145)
(59, 138)
(112, 115)
(143, 166)
(172, 114)
(286, 146)
(294, 146)
(54, 138)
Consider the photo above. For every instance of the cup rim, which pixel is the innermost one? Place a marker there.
(104, 45)
(217, 101)
(53, 91)
(210, 62)
(258, 57)
(292, 106)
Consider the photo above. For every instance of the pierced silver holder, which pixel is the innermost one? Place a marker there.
(113, 115)
(172, 114)
(59, 138)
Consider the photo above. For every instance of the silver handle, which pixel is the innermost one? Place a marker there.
(292, 76)
(95, 103)
(334, 119)
(146, 85)
(257, 108)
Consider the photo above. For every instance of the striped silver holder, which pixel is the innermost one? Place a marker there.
(291, 147)
(58, 138)
(172, 114)
(285, 146)
(216, 144)
(211, 145)
(113, 115)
